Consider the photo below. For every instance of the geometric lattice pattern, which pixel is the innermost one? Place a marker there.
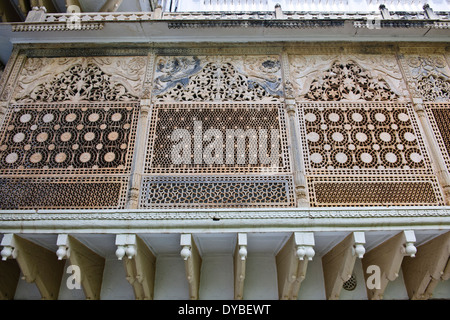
(365, 154)
(215, 138)
(217, 192)
(68, 138)
(346, 138)
(63, 193)
(192, 150)
(66, 155)
(373, 191)
(439, 115)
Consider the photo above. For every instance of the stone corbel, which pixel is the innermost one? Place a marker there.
(429, 12)
(192, 262)
(388, 257)
(240, 259)
(9, 269)
(158, 13)
(292, 262)
(428, 268)
(278, 11)
(38, 265)
(339, 262)
(90, 264)
(139, 264)
(384, 12)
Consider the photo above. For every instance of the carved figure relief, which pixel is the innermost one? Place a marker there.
(347, 78)
(81, 79)
(429, 77)
(250, 78)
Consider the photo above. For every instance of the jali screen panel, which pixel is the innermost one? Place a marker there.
(361, 154)
(66, 155)
(217, 155)
(439, 115)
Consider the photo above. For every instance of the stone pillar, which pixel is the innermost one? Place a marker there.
(139, 154)
(298, 168)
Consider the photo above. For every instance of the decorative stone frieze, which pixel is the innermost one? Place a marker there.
(347, 78)
(81, 79)
(428, 76)
(223, 78)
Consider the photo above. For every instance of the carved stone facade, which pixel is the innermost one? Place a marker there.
(428, 76)
(93, 79)
(208, 79)
(73, 122)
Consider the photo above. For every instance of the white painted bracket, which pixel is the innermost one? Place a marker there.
(37, 264)
(388, 257)
(192, 263)
(423, 273)
(62, 242)
(408, 247)
(358, 244)
(126, 245)
(9, 245)
(90, 264)
(304, 242)
(139, 264)
(339, 262)
(292, 261)
(240, 259)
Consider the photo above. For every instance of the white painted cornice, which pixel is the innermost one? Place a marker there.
(225, 220)
(229, 27)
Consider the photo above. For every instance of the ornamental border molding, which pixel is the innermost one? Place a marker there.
(55, 27)
(37, 50)
(301, 24)
(241, 214)
(65, 50)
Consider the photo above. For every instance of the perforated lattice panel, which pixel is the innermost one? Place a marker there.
(373, 191)
(62, 138)
(439, 115)
(63, 193)
(341, 138)
(218, 139)
(66, 155)
(365, 154)
(219, 192)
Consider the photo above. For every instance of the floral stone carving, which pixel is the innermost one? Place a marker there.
(430, 77)
(217, 79)
(81, 79)
(347, 78)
